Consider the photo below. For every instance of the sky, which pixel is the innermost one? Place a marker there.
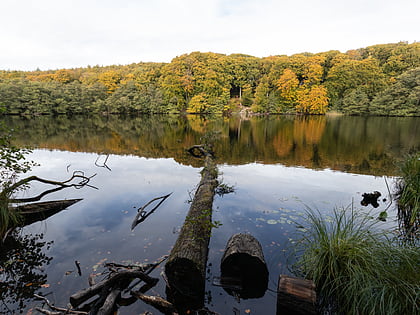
(55, 34)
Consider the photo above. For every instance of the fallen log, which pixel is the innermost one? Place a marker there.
(296, 296)
(39, 211)
(186, 265)
(243, 269)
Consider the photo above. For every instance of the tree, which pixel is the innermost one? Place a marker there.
(400, 99)
(312, 100)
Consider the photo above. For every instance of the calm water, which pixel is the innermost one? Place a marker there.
(277, 165)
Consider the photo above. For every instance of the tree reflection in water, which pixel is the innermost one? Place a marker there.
(22, 258)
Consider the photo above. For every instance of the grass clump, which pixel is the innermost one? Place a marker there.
(357, 268)
(408, 197)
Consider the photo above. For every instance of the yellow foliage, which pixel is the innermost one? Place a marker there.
(312, 100)
(287, 84)
(63, 76)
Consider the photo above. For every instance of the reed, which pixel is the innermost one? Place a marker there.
(408, 197)
(356, 266)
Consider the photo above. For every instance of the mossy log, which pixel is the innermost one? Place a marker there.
(243, 269)
(186, 266)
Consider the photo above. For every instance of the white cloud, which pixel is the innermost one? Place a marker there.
(57, 34)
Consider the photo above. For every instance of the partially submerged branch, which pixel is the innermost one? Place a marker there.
(142, 214)
(83, 181)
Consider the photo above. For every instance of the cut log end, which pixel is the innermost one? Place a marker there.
(243, 269)
(185, 277)
(296, 296)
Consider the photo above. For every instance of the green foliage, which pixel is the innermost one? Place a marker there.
(356, 102)
(402, 98)
(356, 268)
(12, 163)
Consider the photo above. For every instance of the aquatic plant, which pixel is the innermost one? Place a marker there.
(357, 267)
(408, 197)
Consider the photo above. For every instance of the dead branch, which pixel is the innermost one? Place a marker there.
(146, 268)
(104, 163)
(59, 310)
(142, 214)
(200, 151)
(83, 295)
(157, 302)
(109, 303)
(77, 175)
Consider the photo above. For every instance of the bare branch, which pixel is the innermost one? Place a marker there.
(77, 175)
(55, 308)
(157, 302)
(142, 214)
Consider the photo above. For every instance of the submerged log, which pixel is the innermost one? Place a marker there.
(39, 211)
(243, 269)
(186, 266)
(296, 296)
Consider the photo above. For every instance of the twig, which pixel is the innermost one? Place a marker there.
(59, 309)
(79, 271)
(157, 302)
(104, 163)
(142, 214)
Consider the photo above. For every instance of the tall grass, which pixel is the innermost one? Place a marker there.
(408, 196)
(357, 269)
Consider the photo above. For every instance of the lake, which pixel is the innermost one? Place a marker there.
(278, 166)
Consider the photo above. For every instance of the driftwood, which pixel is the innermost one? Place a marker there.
(243, 269)
(39, 211)
(57, 310)
(77, 180)
(85, 294)
(296, 296)
(157, 302)
(186, 265)
(142, 214)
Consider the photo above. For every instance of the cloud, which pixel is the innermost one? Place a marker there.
(57, 34)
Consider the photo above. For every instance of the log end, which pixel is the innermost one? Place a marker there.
(296, 296)
(185, 277)
(248, 273)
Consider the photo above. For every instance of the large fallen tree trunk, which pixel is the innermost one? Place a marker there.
(39, 211)
(186, 266)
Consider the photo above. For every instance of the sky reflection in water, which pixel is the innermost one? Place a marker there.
(268, 199)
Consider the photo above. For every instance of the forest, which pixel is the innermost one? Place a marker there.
(376, 80)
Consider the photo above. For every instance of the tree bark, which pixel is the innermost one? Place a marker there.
(34, 212)
(186, 266)
(296, 296)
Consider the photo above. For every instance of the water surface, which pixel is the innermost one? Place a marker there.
(278, 166)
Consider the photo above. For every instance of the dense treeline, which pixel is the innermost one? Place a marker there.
(376, 80)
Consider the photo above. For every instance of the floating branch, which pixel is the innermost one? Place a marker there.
(85, 294)
(104, 163)
(58, 310)
(142, 214)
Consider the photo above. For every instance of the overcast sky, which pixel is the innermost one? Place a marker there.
(52, 34)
